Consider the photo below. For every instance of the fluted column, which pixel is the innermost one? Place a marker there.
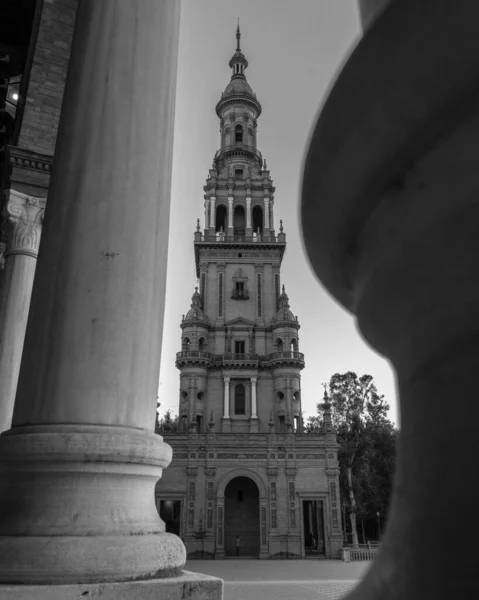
(24, 216)
(79, 466)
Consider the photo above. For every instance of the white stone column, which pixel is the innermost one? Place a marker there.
(226, 405)
(79, 466)
(254, 408)
(24, 216)
(230, 212)
(248, 213)
(266, 212)
(212, 212)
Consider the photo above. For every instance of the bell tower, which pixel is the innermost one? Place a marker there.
(240, 339)
(242, 465)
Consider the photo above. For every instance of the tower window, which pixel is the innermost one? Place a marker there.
(239, 347)
(240, 399)
(238, 133)
(239, 173)
(281, 424)
(240, 293)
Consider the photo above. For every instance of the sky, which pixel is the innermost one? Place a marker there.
(294, 50)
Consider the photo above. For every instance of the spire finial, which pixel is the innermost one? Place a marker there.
(283, 288)
(197, 224)
(281, 225)
(238, 37)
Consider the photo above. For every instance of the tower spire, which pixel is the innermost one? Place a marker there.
(238, 37)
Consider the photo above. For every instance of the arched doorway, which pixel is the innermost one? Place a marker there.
(242, 517)
(239, 221)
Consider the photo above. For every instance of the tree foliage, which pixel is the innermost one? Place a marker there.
(167, 423)
(367, 440)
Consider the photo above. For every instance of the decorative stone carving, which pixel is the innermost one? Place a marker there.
(24, 215)
(210, 471)
(332, 472)
(272, 472)
(192, 472)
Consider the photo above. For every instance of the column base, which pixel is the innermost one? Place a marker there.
(254, 425)
(77, 506)
(187, 585)
(225, 425)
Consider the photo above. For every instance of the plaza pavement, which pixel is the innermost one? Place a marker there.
(282, 579)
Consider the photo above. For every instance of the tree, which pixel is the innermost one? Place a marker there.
(367, 444)
(167, 423)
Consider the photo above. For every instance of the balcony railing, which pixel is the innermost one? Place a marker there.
(243, 239)
(231, 357)
(285, 355)
(236, 295)
(193, 354)
(239, 147)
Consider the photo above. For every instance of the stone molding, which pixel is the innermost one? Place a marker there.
(332, 472)
(24, 217)
(26, 159)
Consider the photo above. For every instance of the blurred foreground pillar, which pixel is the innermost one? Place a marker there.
(390, 214)
(79, 466)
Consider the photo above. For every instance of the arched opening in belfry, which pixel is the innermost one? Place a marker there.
(186, 344)
(238, 134)
(257, 219)
(202, 344)
(239, 221)
(294, 345)
(221, 218)
(279, 345)
(242, 518)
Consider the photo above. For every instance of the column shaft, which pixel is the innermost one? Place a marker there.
(80, 464)
(212, 212)
(253, 399)
(230, 213)
(248, 213)
(24, 215)
(226, 408)
(266, 213)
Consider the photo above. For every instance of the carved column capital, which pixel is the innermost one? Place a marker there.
(24, 218)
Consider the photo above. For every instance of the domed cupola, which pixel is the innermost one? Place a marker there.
(195, 311)
(238, 90)
(284, 313)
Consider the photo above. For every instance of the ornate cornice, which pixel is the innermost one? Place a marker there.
(24, 218)
(332, 472)
(26, 159)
